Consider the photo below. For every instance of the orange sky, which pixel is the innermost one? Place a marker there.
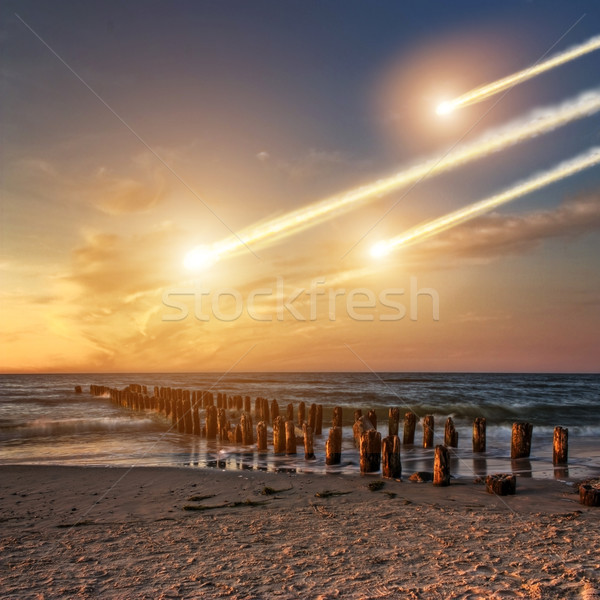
(95, 228)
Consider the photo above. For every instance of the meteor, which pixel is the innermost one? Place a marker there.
(426, 230)
(538, 122)
(485, 91)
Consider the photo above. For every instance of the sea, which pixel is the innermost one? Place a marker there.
(44, 422)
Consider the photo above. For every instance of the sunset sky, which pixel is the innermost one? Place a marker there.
(134, 132)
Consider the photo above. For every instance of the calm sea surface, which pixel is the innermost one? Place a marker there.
(42, 420)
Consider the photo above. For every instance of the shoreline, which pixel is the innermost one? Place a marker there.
(119, 532)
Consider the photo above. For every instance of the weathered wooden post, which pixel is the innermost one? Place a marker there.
(441, 466)
(290, 412)
(560, 451)
(247, 404)
(187, 413)
(266, 411)
(370, 451)
(222, 425)
(309, 452)
(258, 408)
(301, 413)
(261, 436)
(373, 418)
(274, 410)
(479, 434)
(393, 421)
(312, 416)
(336, 420)
(279, 435)
(361, 425)
(521, 440)
(247, 429)
(290, 437)
(390, 457)
(319, 420)
(78, 389)
(450, 434)
(428, 431)
(410, 422)
(589, 495)
(196, 419)
(180, 415)
(357, 414)
(211, 423)
(333, 447)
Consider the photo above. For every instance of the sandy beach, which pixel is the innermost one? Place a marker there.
(86, 532)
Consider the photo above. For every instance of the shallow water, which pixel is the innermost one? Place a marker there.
(42, 420)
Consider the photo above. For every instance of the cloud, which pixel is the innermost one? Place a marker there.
(317, 162)
(495, 235)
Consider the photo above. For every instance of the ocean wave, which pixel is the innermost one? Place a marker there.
(46, 427)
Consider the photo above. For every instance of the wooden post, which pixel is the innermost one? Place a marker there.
(393, 421)
(312, 416)
(521, 440)
(370, 451)
(187, 413)
(180, 416)
(78, 389)
(290, 437)
(410, 421)
(222, 425)
(261, 436)
(211, 423)
(390, 457)
(301, 413)
(196, 418)
(336, 420)
(279, 435)
(357, 414)
(274, 410)
(290, 412)
(589, 495)
(309, 451)
(501, 484)
(479, 434)
(333, 447)
(247, 429)
(247, 404)
(450, 434)
(237, 435)
(373, 418)
(266, 411)
(258, 408)
(428, 431)
(441, 466)
(319, 420)
(560, 453)
(361, 425)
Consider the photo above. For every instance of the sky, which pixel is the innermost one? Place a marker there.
(134, 132)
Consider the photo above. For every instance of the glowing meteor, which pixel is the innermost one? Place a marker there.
(485, 91)
(420, 232)
(538, 122)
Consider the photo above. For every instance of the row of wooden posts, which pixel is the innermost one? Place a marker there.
(300, 426)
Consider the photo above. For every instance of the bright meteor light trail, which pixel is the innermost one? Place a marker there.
(485, 91)
(538, 122)
(565, 169)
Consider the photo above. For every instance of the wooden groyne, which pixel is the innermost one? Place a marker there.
(261, 425)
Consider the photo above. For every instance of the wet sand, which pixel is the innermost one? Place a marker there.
(96, 532)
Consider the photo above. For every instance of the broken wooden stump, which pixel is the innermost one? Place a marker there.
(501, 484)
(428, 431)
(372, 416)
(410, 422)
(78, 389)
(309, 451)
(589, 494)
(390, 457)
(560, 450)
(333, 447)
(393, 421)
(274, 410)
(370, 451)
(361, 425)
(479, 441)
(312, 416)
(247, 429)
(301, 413)
(211, 423)
(521, 440)
(441, 466)
(450, 434)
